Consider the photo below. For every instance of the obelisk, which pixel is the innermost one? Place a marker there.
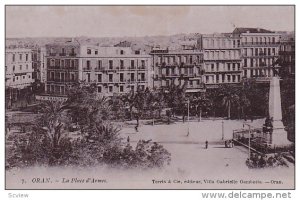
(279, 134)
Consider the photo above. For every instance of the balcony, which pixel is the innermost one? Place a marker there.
(99, 69)
(52, 54)
(72, 54)
(62, 54)
(87, 69)
(252, 44)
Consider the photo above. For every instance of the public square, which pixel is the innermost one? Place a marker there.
(191, 161)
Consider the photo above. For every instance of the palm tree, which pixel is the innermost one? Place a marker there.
(229, 100)
(51, 124)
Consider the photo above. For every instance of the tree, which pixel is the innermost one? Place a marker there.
(200, 101)
(50, 127)
(230, 98)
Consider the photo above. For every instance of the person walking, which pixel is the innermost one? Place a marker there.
(206, 144)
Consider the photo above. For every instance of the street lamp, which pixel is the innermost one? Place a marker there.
(188, 105)
(249, 131)
(222, 130)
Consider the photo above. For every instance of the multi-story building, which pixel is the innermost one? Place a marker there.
(39, 63)
(62, 66)
(259, 51)
(222, 60)
(178, 68)
(18, 68)
(287, 54)
(18, 73)
(114, 70)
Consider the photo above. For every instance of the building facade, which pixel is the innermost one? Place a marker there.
(18, 68)
(184, 67)
(115, 70)
(39, 63)
(222, 59)
(259, 51)
(287, 54)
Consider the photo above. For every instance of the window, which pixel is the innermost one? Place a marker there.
(233, 66)
(89, 51)
(167, 71)
(121, 88)
(110, 77)
(110, 88)
(132, 87)
(142, 76)
(132, 63)
(132, 76)
(121, 77)
(99, 89)
(228, 78)
(20, 56)
(26, 57)
(20, 67)
(88, 64)
(228, 67)
(100, 78)
(13, 57)
(110, 62)
(24, 77)
(198, 82)
(96, 52)
(121, 52)
(99, 64)
(212, 67)
(121, 64)
(13, 79)
(88, 77)
(14, 68)
(26, 66)
(191, 83)
(191, 70)
(72, 77)
(143, 63)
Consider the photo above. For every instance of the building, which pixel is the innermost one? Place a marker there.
(18, 74)
(62, 66)
(287, 54)
(178, 67)
(18, 68)
(39, 63)
(259, 51)
(222, 59)
(115, 70)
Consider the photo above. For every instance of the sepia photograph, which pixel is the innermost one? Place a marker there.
(149, 97)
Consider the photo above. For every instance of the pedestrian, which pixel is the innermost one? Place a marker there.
(206, 144)
(136, 128)
(128, 139)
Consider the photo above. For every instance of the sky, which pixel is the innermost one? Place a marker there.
(115, 21)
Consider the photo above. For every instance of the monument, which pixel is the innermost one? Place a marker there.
(279, 134)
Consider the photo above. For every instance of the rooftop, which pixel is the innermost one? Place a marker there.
(251, 30)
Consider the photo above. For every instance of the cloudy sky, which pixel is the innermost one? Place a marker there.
(102, 21)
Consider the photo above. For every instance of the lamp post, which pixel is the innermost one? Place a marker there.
(188, 108)
(222, 130)
(249, 135)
